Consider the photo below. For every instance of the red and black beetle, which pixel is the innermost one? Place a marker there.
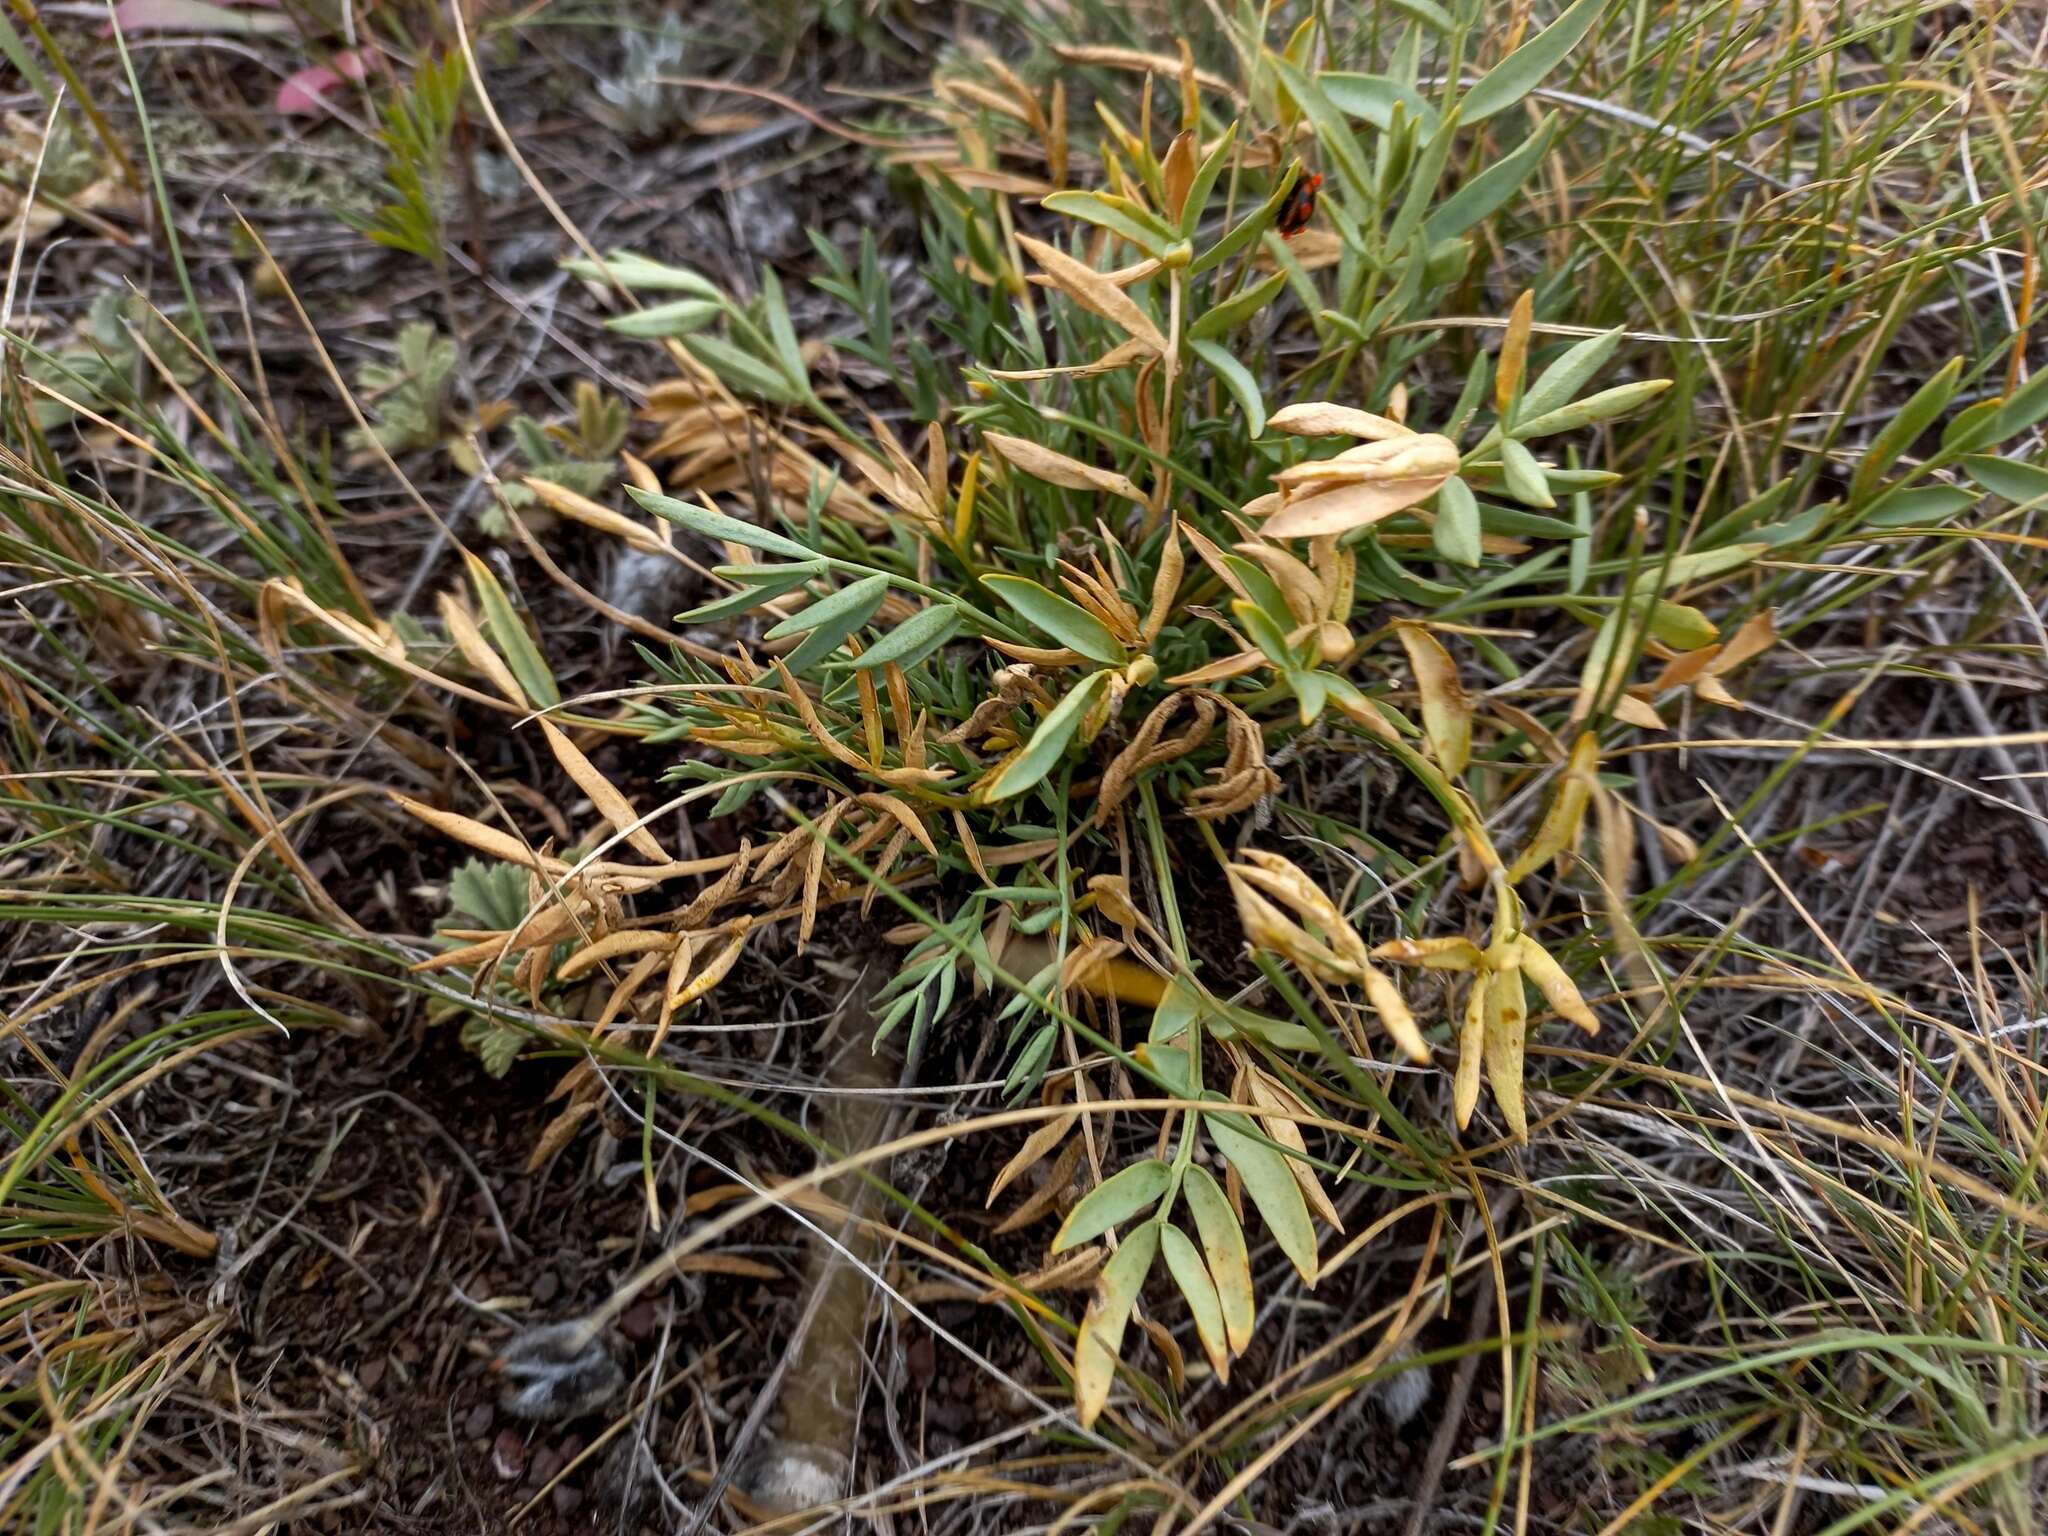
(1299, 207)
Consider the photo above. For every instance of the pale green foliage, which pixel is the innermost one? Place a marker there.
(407, 401)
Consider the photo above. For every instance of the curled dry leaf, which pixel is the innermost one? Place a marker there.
(1322, 418)
(1446, 711)
(1556, 986)
(1044, 464)
(1365, 485)
(1094, 292)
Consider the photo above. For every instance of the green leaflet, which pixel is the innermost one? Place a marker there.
(1048, 741)
(1524, 476)
(1492, 187)
(1563, 379)
(1456, 535)
(1608, 403)
(912, 640)
(2016, 481)
(1223, 1245)
(829, 621)
(755, 589)
(1205, 181)
(1067, 622)
(683, 317)
(1196, 1284)
(1237, 309)
(1113, 1202)
(529, 667)
(716, 525)
(1119, 215)
(1523, 70)
(1270, 1184)
(1237, 378)
(1911, 419)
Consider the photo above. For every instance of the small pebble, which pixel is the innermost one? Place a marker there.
(547, 1461)
(546, 1286)
(508, 1455)
(641, 1322)
(478, 1424)
(566, 1497)
(371, 1373)
(922, 1360)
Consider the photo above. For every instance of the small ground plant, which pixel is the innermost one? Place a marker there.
(1291, 629)
(1204, 503)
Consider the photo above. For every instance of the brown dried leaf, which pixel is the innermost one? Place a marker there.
(1094, 292)
(1446, 711)
(1057, 469)
(1514, 352)
(1323, 418)
(611, 805)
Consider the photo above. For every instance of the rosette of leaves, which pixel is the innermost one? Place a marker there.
(580, 455)
(1140, 556)
(407, 400)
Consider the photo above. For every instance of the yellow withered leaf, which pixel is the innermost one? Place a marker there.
(712, 974)
(1036, 1145)
(611, 805)
(1165, 583)
(1560, 827)
(1379, 479)
(476, 650)
(1101, 1336)
(1324, 418)
(1471, 1052)
(1557, 988)
(1122, 355)
(1044, 464)
(1450, 953)
(499, 845)
(1514, 352)
(581, 509)
(1177, 170)
(1393, 1012)
(1506, 1028)
(1446, 711)
(1094, 292)
(1757, 635)
(1639, 713)
(631, 941)
(1190, 95)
